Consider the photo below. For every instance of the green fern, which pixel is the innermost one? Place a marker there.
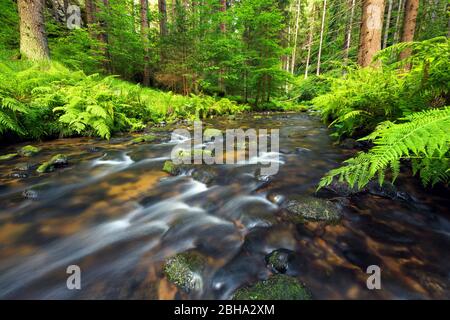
(423, 137)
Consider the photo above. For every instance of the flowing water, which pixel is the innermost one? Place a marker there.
(118, 216)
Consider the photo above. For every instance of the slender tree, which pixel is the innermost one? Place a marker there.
(145, 41)
(322, 29)
(387, 24)
(348, 36)
(409, 25)
(370, 32)
(400, 7)
(294, 49)
(33, 40)
(310, 39)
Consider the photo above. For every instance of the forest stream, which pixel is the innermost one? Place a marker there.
(116, 214)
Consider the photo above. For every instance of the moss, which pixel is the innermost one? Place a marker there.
(145, 138)
(56, 161)
(169, 167)
(184, 269)
(8, 156)
(209, 133)
(277, 287)
(45, 167)
(28, 151)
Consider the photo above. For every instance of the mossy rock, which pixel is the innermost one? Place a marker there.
(170, 167)
(56, 161)
(191, 154)
(8, 156)
(209, 133)
(277, 287)
(184, 270)
(313, 209)
(278, 260)
(145, 138)
(28, 151)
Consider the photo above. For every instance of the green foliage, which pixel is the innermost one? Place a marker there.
(363, 98)
(68, 103)
(305, 90)
(423, 137)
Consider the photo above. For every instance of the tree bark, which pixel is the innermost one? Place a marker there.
(409, 25)
(370, 33)
(322, 28)
(387, 24)
(145, 41)
(33, 40)
(162, 8)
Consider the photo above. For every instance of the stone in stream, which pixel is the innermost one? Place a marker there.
(28, 151)
(56, 161)
(24, 166)
(144, 138)
(184, 270)
(278, 260)
(386, 190)
(202, 173)
(277, 287)
(8, 156)
(307, 208)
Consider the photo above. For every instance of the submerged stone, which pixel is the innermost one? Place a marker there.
(8, 156)
(184, 270)
(277, 287)
(28, 151)
(313, 209)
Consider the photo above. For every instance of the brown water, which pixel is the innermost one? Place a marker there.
(114, 213)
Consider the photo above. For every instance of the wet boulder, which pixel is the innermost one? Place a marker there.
(277, 287)
(312, 209)
(56, 161)
(24, 166)
(202, 173)
(28, 151)
(184, 270)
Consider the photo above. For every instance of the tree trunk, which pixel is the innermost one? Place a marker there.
(310, 40)
(409, 25)
(370, 33)
(294, 49)
(145, 41)
(33, 40)
(223, 29)
(387, 24)
(401, 4)
(223, 8)
(348, 36)
(322, 28)
(162, 8)
(90, 12)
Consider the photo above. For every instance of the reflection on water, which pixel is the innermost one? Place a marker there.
(114, 213)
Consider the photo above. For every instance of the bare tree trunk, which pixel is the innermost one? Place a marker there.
(322, 28)
(370, 33)
(348, 36)
(409, 25)
(387, 24)
(223, 29)
(33, 40)
(145, 41)
(294, 49)
(162, 8)
(90, 12)
(310, 40)
(401, 4)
